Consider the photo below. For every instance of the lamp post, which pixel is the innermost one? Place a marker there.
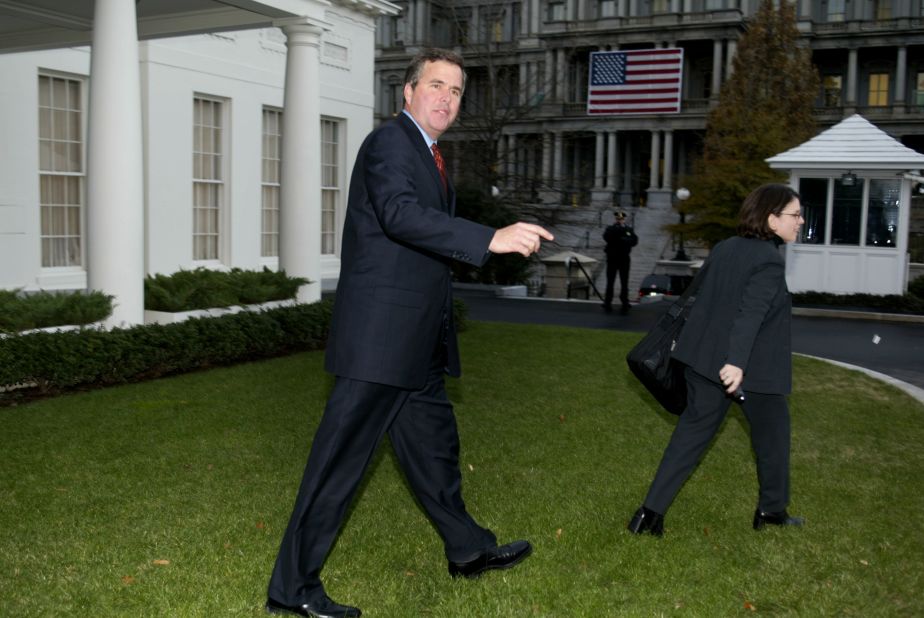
(682, 194)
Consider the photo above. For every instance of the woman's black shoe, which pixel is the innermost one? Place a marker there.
(763, 518)
(646, 520)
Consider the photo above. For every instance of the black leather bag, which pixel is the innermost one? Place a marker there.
(650, 360)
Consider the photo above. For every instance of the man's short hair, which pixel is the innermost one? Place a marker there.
(433, 54)
(620, 214)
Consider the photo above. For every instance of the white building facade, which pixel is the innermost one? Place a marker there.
(234, 151)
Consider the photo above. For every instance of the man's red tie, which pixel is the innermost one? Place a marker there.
(440, 164)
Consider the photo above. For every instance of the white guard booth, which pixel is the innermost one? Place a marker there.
(855, 181)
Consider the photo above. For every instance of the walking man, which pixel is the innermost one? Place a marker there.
(392, 340)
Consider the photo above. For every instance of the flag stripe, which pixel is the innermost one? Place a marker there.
(644, 81)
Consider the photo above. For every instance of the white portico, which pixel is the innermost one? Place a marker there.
(100, 180)
(855, 181)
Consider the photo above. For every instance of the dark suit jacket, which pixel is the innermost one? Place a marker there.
(742, 316)
(399, 238)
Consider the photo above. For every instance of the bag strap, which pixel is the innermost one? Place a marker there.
(689, 294)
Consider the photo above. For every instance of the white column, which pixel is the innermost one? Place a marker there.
(534, 20)
(409, 21)
(523, 79)
(627, 173)
(716, 69)
(599, 160)
(115, 188)
(558, 158)
(666, 181)
(612, 162)
(731, 49)
(655, 159)
(547, 142)
(477, 35)
(422, 20)
(511, 160)
(901, 67)
(852, 77)
(561, 75)
(299, 192)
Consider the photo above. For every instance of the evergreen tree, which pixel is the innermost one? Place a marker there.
(764, 108)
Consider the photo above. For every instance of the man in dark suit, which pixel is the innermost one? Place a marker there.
(392, 340)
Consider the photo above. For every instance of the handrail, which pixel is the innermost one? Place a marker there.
(589, 279)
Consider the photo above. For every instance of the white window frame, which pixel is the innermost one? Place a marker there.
(212, 183)
(72, 177)
(270, 169)
(332, 189)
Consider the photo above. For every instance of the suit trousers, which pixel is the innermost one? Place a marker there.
(768, 416)
(621, 266)
(422, 429)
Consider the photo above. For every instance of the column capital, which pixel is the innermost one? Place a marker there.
(303, 30)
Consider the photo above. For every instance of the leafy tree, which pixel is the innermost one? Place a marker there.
(764, 108)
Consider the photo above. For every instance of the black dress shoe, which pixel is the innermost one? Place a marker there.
(762, 518)
(502, 557)
(318, 608)
(646, 520)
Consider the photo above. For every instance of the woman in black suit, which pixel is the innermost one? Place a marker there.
(737, 337)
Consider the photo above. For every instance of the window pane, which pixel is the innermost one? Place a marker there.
(832, 89)
(845, 218)
(44, 123)
(814, 192)
(882, 215)
(44, 91)
(879, 89)
(58, 92)
(75, 162)
(59, 124)
(44, 155)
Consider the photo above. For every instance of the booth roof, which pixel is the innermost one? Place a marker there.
(854, 143)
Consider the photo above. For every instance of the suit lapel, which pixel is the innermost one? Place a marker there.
(447, 202)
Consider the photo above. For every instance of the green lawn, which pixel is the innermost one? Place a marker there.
(169, 498)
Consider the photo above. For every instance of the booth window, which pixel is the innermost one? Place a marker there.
(841, 200)
(882, 215)
(814, 192)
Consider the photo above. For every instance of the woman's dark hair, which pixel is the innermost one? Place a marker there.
(415, 68)
(765, 200)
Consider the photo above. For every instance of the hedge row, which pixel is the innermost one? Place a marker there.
(53, 362)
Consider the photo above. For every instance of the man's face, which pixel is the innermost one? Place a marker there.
(434, 102)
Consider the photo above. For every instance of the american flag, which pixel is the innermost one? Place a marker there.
(645, 81)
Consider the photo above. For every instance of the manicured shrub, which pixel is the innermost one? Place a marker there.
(202, 288)
(56, 361)
(24, 311)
